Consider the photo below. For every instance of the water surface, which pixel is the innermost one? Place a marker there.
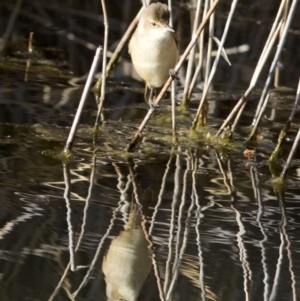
(197, 222)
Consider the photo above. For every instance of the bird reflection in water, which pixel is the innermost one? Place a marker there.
(127, 263)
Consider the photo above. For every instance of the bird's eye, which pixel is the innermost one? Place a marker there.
(153, 24)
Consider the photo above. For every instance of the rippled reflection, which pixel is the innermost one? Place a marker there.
(123, 229)
(127, 263)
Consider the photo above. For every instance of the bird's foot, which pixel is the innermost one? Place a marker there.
(173, 74)
(152, 105)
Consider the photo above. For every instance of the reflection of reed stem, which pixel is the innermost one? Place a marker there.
(135, 191)
(87, 202)
(228, 183)
(154, 262)
(69, 214)
(195, 198)
(273, 295)
(179, 255)
(172, 221)
(260, 213)
(243, 253)
(160, 195)
(283, 229)
(289, 254)
(99, 248)
(85, 210)
(181, 210)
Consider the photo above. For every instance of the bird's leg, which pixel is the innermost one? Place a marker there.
(173, 74)
(145, 94)
(150, 101)
(152, 97)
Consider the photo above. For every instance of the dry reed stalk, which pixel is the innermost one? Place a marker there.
(173, 87)
(66, 152)
(279, 49)
(277, 71)
(201, 57)
(291, 155)
(104, 64)
(211, 30)
(214, 68)
(282, 137)
(10, 24)
(118, 49)
(241, 103)
(191, 62)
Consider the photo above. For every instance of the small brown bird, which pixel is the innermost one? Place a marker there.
(153, 47)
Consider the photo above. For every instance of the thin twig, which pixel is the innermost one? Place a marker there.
(188, 77)
(173, 87)
(281, 43)
(85, 92)
(10, 24)
(255, 127)
(201, 55)
(295, 144)
(261, 62)
(214, 68)
(118, 50)
(253, 82)
(103, 86)
(209, 47)
(277, 70)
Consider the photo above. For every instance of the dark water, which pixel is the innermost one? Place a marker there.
(199, 222)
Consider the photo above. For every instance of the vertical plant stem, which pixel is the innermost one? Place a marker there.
(255, 127)
(185, 100)
(277, 70)
(170, 6)
(10, 24)
(296, 141)
(117, 51)
(290, 157)
(103, 86)
(209, 47)
(257, 71)
(287, 25)
(173, 87)
(261, 62)
(214, 68)
(85, 92)
(201, 55)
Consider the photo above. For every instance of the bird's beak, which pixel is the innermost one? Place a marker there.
(169, 28)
